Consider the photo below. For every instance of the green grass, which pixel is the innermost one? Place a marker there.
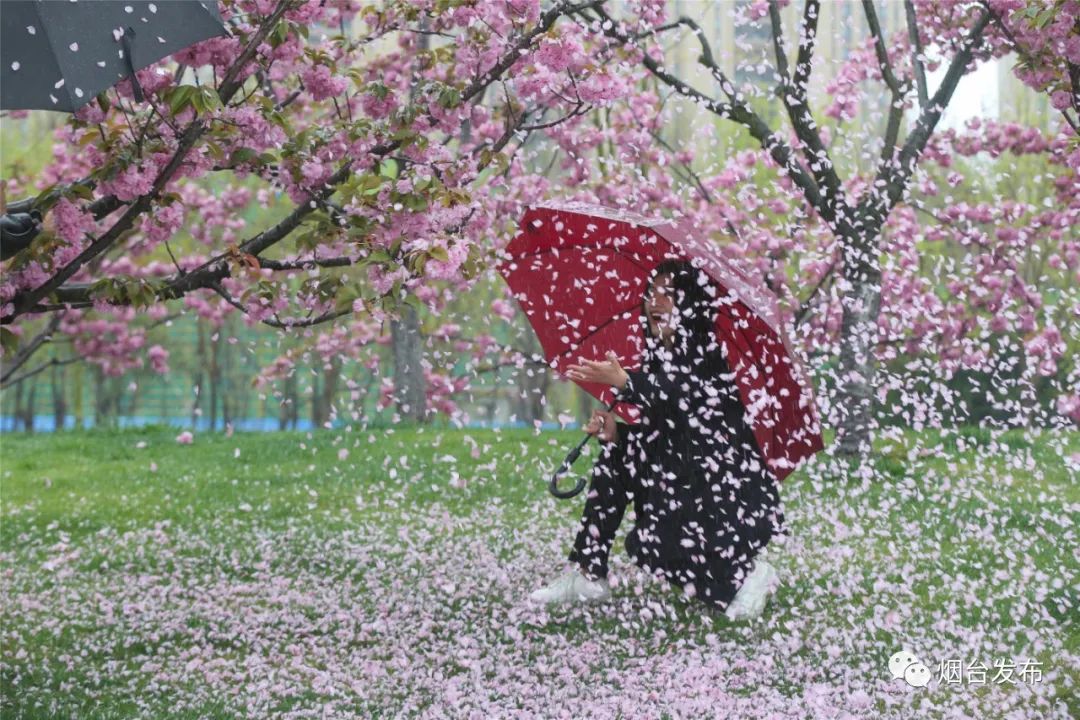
(258, 508)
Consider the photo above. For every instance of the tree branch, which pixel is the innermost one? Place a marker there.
(778, 43)
(817, 156)
(876, 205)
(804, 306)
(879, 49)
(54, 362)
(25, 300)
(1074, 70)
(808, 36)
(737, 111)
(916, 51)
(29, 349)
(210, 273)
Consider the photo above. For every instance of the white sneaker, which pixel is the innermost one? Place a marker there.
(750, 600)
(572, 587)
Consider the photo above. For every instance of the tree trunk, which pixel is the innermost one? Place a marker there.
(24, 406)
(215, 377)
(59, 403)
(324, 400)
(294, 401)
(536, 398)
(410, 388)
(283, 411)
(100, 397)
(534, 381)
(853, 412)
(201, 360)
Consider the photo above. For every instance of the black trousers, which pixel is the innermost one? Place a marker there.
(611, 489)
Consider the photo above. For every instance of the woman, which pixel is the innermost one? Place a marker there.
(704, 500)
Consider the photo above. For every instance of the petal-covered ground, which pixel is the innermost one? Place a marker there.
(277, 576)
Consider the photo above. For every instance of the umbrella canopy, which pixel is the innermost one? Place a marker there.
(579, 271)
(60, 55)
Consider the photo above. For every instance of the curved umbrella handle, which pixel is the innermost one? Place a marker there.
(553, 485)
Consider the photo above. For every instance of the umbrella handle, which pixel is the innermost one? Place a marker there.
(553, 485)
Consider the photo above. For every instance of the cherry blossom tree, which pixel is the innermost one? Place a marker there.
(858, 208)
(356, 158)
(393, 172)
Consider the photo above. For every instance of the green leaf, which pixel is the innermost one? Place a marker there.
(179, 97)
(278, 119)
(404, 136)
(389, 168)
(449, 97)
(244, 155)
(1045, 17)
(81, 191)
(46, 197)
(210, 98)
(378, 89)
(279, 34)
(378, 255)
(345, 297)
(471, 268)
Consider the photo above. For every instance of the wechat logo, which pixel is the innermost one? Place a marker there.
(905, 665)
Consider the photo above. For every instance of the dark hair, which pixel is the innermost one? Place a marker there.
(697, 300)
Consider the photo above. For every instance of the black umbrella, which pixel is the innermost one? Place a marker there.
(58, 55)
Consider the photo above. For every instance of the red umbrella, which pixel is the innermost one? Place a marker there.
(578, 271)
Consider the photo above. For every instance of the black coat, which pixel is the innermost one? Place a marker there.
(710, 501)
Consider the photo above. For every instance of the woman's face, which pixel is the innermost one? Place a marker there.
(660, 309)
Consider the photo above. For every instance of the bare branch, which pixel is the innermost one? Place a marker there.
(580, 109)
(892, 127)
(893, 177)
(694, 177)
(803, 64)
(804, 306)
(881, 51)
(54, 362)
(30, 348)
(802, 121)
(778, 43)
(898, 90)
(737, 111)
(916, 52)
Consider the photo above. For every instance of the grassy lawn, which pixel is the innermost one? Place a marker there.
(382, 573)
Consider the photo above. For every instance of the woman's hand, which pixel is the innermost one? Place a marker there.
(607, 371)
(602, 424)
